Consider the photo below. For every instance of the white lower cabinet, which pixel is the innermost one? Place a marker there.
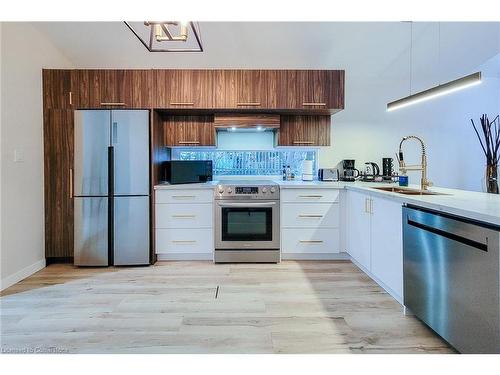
(358, 227)
(310, 221)
(184, 224)
(310, 240)
(387, 244)
(374, 239)
(184, 241)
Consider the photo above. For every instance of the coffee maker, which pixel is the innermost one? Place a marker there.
(347, 171)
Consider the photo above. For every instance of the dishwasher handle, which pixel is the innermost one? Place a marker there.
(451, 236)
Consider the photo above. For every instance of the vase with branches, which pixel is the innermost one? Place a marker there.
(489, 138)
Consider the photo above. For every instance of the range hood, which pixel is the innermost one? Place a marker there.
(248, 122)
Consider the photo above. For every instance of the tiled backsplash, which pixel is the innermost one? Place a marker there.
(248, 163)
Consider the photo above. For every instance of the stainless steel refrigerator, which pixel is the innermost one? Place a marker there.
(111, 187)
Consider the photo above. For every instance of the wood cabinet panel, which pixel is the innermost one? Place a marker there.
(60, 87)
(183, 88)
(58, 160)
(108, 88)
(304, 130)
(189, 130)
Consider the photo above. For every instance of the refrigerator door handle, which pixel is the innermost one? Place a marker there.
(114, 133)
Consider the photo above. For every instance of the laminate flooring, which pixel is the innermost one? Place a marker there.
(201, 307)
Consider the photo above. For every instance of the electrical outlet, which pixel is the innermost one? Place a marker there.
(18, 156)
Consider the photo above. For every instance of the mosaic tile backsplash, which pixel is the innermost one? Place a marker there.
(248, 163)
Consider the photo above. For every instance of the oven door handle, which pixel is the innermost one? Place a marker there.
(252, 204)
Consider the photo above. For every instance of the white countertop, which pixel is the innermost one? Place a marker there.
(202, 185)
(474, 205)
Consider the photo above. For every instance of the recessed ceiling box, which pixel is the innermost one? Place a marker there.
(247, 122)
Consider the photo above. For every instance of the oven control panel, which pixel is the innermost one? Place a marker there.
(247, 192)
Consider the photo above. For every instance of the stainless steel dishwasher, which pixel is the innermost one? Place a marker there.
(452, 279)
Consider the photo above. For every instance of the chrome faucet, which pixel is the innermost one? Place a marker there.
(424, 183)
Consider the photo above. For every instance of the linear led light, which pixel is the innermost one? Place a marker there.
(434, 92)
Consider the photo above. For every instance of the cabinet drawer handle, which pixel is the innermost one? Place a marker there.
(367, 205)
(70, 98)
(310, 196)
(71, 183)
(311, 241)
(181, 103)
(306, 104)
(303, 142)
(248, 103)
(189, 142)
(184, 216)
(311, 216)
(183, 241)
(113, 103)
(183, 196)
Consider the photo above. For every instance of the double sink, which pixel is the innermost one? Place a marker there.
(406, 191)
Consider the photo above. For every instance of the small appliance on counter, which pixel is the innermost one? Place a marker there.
(307, 170)
(328, 174)
(347, 171)
(187, 171)
(372, 172)
(387, 169)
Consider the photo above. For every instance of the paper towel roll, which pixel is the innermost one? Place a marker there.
(307, 170)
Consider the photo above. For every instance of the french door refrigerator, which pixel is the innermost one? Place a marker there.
(111, 187)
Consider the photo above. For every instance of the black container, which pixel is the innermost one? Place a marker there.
(187, 171)
(387, 167)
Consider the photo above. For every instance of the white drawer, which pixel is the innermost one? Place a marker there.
(184, 215)
(310, 215)
(186, 241)
(312, 241)
(184, 196)
(309, 195)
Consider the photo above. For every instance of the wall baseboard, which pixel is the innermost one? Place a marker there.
(22, 274)
(190, 256)
(314, 256)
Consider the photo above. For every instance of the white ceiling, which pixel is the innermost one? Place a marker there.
(378, 50)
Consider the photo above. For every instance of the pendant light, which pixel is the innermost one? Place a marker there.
(436, 91)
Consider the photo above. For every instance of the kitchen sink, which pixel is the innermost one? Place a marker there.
(407, 191)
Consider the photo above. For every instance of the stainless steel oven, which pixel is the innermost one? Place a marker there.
(247, 222)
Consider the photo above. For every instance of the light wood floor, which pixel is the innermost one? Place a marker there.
(174, 307)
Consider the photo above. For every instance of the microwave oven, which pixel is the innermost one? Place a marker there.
(187, 171)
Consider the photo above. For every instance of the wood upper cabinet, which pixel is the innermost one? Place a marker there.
(189, 131)
(109, 88)
(60, 88)
(183, 89)
(310, 89)
(245, 89)
(304, 130)
(58, 129)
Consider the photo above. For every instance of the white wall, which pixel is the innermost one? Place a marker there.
(365, 131)
(24, 52)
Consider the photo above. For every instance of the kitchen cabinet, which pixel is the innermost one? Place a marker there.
(374, 239)
(184, 224)
(245, 89)
(183, 88)
(60, 88)
(109, 88)
(58, 128)
(304, 130)
(310, 222)
(310, 89)
(189, 131)
(387, 243)
(359, 228)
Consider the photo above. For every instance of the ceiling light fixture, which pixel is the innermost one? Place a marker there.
(168, 36)
(434, 92)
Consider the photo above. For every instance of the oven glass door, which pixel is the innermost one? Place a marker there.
(247, 223)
